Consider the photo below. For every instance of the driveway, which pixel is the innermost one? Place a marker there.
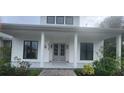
(57, 72)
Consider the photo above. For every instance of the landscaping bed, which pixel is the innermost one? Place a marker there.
(34, 72)
(8, 70)
(104, 67)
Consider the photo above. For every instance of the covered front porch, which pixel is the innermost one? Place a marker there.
(55, 43)
(96, 38)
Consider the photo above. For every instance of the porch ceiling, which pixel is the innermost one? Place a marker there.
(61, 31)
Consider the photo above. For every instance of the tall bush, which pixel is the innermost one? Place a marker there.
(110, 48)
(5, 53)
(106, 66)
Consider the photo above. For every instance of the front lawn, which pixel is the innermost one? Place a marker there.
(34, 72)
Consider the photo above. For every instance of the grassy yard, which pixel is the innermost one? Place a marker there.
(34, 72)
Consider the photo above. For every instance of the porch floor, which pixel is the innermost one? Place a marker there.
(54, 65)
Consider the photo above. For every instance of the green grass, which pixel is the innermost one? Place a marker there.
(34, 72)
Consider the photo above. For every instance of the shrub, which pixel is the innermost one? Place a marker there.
(5, 53)
(110, 48)
(23, 69)
(78, 72)
(106, 66)
(88, 69)
(122, 66)
(7, 70)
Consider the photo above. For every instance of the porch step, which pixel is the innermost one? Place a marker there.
(57, 72)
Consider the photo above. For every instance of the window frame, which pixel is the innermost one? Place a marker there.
(86, 51)
(31, 49)
(63, 20)
(7, 41)
(53, 22)
(69, 23)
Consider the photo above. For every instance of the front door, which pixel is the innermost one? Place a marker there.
(58, 52)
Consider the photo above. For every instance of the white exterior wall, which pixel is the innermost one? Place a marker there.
(76, 21)
(34, 20)
(97, 46)
(98, 49)
(71, 51)
(18, 44)
(17, 50)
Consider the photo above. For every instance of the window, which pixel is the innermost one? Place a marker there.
(62, 46)
(7, 43)
(30, 49)
(86, 51)
(6, 53)
(56, 49)
(69, 20)
(59, 19)
(110, 47)
(50, 19)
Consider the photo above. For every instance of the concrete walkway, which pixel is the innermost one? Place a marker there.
(57, 72)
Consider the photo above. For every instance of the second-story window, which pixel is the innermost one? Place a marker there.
(50, 19)
(69, 20)
(59, 19)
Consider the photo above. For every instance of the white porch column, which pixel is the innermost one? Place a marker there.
(118, 46)
(75, 49)
(42, 49)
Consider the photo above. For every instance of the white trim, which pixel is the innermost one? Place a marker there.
(42, 49)
(75, 49)
(118, 46)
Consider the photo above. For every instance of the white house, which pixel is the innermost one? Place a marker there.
(56, 41)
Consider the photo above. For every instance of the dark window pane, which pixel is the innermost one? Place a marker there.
(82, 51)
(30, 49)
(7, 43)
(6, 50)
(26, 49)
(56, 49)
(86, 51)
(69, 20)
(50, 19)
(62, 50)
(90, 51)
(60, 20)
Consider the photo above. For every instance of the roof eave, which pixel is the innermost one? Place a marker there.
(6, 26)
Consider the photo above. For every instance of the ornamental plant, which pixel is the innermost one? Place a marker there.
(88, 69)
(106, 66)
